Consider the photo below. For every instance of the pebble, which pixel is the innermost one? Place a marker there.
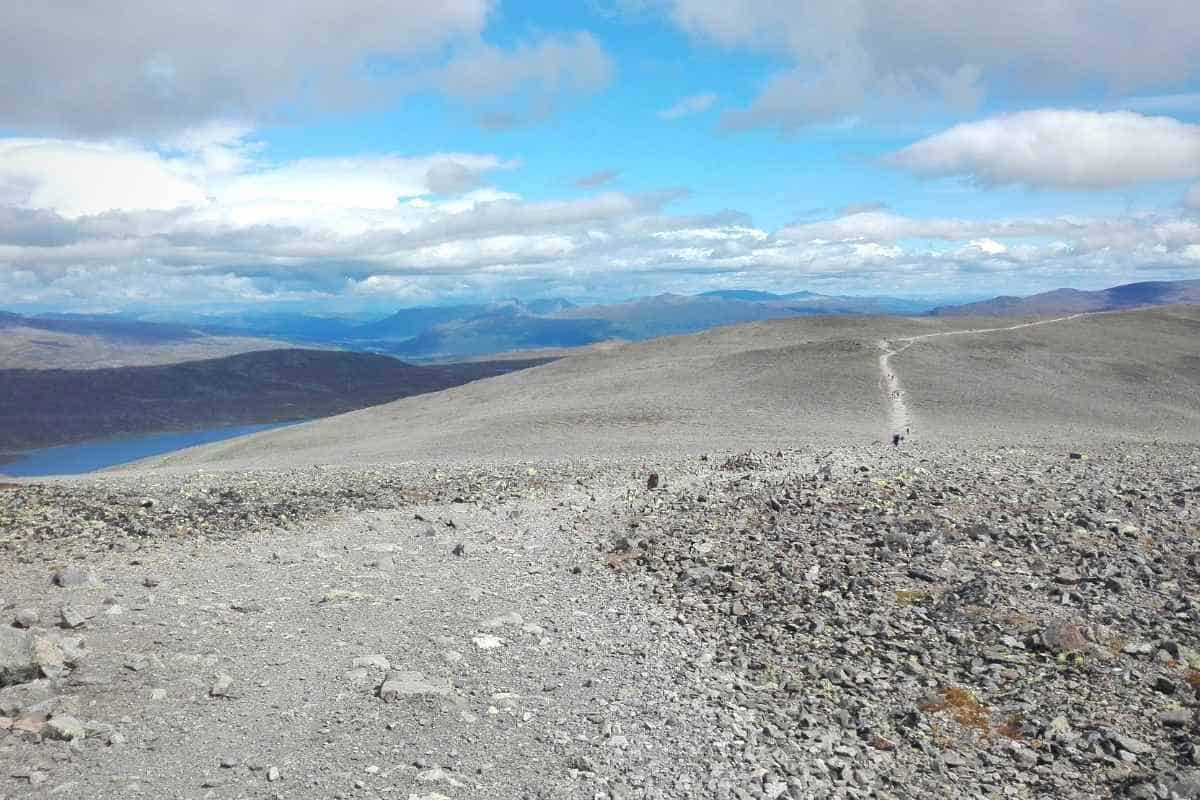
(488, 642)
(376, 661)
(25, 618)
(221, 686)
(71, 617)
(69, 577)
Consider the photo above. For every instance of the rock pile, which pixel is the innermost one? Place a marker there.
(1009, 624)
(35, 673)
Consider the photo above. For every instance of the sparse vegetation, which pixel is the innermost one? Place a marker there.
(962, 706)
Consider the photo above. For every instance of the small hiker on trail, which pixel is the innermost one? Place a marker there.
(895, 440)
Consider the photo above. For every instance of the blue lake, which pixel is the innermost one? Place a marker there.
(74, 459)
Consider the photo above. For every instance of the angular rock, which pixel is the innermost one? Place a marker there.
(48, 656)
(1130, 744)
(17, 664)
(1176, 718)
(71, 617)
(64, 727)
(15, 699)
(69, 577)
(25, 618)
(1063, 637)
(221, 686)
(30, 723)
(72, 648)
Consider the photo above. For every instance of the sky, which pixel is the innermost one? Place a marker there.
(359, 155)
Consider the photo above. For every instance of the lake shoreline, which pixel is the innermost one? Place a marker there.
(95, 455)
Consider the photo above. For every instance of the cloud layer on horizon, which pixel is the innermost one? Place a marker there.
(211, 222)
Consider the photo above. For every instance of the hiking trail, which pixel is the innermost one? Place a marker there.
(899, 417)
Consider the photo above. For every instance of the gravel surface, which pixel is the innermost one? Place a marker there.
(863, 622)
(805, 620)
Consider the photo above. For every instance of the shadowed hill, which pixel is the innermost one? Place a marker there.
(1132, 375)
(44, 407)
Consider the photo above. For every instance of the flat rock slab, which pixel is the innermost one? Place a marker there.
(399, 685)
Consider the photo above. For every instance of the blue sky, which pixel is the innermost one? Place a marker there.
(370, 154)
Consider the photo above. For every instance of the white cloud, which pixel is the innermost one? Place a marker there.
(79, 178)
(693, 104)
(1060, 149)
(850, 57)
(989, 246)
(886, 227)
(218, 182)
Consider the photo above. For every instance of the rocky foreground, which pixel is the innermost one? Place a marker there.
(849, 623)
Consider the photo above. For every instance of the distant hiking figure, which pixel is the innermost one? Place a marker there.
(896, 440)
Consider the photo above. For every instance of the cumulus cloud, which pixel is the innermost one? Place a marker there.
(78, 178)
(125, 67)
(597, 179)
(1060, 149)
(850, 57)
(686, 107)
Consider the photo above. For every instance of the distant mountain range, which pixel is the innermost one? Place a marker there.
(1074, 301)
(471, 331)
(106, 326)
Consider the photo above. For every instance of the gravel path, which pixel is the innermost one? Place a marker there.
(259, 665)
(899, 417)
